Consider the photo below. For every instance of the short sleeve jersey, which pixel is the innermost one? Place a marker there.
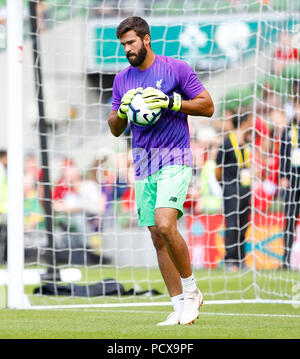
(166, 142)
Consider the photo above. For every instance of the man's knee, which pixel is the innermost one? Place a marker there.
(158, 243)
(165, 227)
(165, 223)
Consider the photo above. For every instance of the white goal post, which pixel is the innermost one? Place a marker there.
(15, 116)
(62, 246)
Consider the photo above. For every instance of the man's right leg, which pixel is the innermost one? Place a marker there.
(170, 276)
(168, 270)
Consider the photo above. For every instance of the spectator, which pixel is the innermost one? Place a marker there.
(33, 209)
(93, 199)
(278, 121)
(66, 198)
(81, 198)
(64, 193)
(200, 143)
(227, 124)
(289, 174)
(105, 175)
(33, 212)
(233, 172)
(262, 153)
(210, 200)
(198, 150)
(270, 99)
(266, 173)
(32, 175)
(285, 53)
(126, 207)
(261, 131)
(205, 136)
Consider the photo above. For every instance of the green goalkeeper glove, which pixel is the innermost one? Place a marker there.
(157, 99)
(125, 102)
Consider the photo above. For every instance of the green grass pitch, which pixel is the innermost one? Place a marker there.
(215, 321)
(229, 321)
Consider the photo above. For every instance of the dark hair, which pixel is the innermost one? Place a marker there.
(238, 119)
(136, 23)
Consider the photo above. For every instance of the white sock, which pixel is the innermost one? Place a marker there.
(177, 302)
(188, 284)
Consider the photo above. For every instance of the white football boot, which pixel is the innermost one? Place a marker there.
(172, 319)
(190, 311)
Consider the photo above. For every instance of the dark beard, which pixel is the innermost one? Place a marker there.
(137, 60)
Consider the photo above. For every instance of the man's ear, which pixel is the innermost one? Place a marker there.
(147, 40)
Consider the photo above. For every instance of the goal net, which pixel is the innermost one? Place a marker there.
(82, 243)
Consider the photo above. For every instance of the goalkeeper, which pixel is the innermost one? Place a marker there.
(162, 154)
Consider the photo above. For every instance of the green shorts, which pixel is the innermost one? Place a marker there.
(166, 188)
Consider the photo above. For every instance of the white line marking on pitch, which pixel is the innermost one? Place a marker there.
(201, 313)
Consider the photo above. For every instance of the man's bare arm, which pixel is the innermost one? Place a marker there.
(116, 124)
(201, 105)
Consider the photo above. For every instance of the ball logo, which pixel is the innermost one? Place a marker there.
(140, 114)
(152, 116)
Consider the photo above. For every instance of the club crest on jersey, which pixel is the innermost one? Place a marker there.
(158, 84)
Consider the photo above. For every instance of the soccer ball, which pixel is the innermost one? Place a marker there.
(140, 114)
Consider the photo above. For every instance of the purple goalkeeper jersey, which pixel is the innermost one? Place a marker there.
(167, 142)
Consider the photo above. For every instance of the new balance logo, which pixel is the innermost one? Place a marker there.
(173, 199)
(139, 212)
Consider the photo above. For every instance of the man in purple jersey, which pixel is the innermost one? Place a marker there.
(162, 154)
